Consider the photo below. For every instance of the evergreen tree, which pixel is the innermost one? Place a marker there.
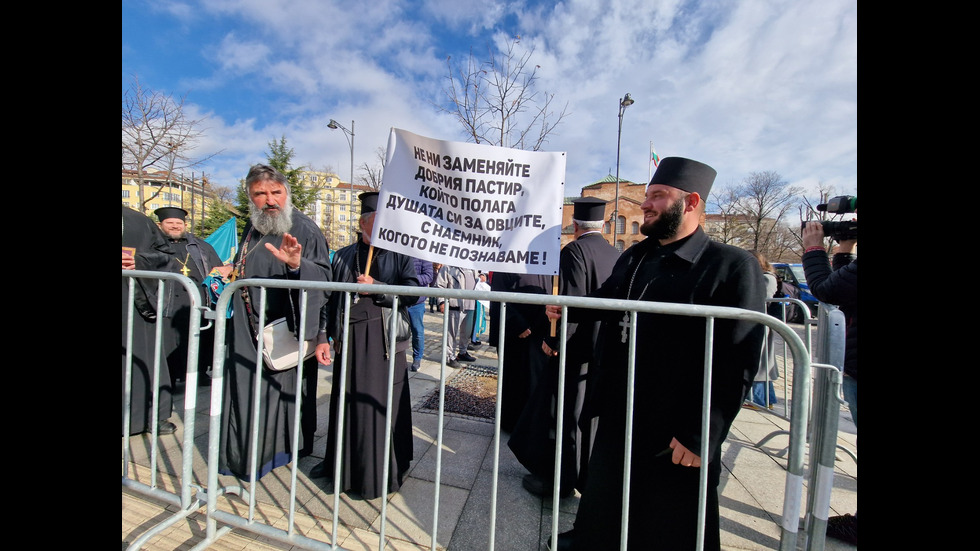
(217, 215)
(280, 158)
(243, 203)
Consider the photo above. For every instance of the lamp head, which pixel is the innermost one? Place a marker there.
(332, 124)
(627, 100)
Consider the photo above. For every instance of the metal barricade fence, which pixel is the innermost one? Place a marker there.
(184, 499)
(801, 403)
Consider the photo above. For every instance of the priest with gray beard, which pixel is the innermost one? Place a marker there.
(279, 242)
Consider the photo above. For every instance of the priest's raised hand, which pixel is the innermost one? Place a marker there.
(289, 252)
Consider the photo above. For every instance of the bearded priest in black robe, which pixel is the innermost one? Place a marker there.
(278, 242)
(677, 263)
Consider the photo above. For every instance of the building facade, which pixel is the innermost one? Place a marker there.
(336, 208)
(629, 215)
(160, 190)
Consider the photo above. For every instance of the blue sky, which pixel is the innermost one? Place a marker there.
(744, 86)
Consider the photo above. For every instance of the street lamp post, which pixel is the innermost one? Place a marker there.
(623, 104)
(349, 134)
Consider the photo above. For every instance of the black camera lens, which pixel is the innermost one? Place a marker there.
(840, 230)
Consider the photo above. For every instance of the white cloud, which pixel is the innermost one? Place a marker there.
(744, 86)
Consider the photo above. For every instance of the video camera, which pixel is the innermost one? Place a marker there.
(839, 230)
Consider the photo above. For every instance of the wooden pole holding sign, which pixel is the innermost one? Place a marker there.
(367, 267)
(554, 291)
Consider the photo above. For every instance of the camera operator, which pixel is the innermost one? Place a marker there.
(838, 286)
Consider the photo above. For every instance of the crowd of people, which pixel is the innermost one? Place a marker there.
(676, 263)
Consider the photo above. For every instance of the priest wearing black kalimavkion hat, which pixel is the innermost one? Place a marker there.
(584, 264)
(196, 258)
(369, 344)
(676, 263)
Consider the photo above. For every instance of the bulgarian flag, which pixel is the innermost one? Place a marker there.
(654, 161)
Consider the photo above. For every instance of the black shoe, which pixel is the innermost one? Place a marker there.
(844, 528)
(304, 452)
(319, 470)
(414, 367)
(541, 487)
(473, 346)
(565, 540)
(454, 364)
(465, 357)
(166, 427)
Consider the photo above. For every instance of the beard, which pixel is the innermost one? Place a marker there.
(276, 222)
(667, 224)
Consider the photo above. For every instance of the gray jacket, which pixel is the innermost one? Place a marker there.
(452, 277)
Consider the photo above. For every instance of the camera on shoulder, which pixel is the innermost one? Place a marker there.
(839, 230)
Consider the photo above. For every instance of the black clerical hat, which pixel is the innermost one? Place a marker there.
(589, 209)
(369, 201)
(170, 212)
(685, 174)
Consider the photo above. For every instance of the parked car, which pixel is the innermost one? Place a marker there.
(793, 274)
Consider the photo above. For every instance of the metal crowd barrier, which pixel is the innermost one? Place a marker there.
(207, 496)
(184, 500)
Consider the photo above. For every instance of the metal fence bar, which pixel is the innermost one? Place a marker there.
(709, 344)
(341, 414)
(501, 345)
(559, 427)
(389, 412)
(439, 430)
(823, 439)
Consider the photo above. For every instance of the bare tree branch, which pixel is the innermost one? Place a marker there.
(496, 101)
(755, 215)
(157, 134)
(371, 175)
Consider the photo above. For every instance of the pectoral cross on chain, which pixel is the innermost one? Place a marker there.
(625, 324)
(185, 270)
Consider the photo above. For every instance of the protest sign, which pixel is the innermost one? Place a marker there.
(469, 205)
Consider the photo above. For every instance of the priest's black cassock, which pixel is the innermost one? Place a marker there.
(523, 360)
(153, 253)
(362, 457)
(278, 389)
(196, 257)
(668, 385)
(585, 264)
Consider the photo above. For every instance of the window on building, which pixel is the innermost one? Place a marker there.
(621, 225)
(343, 217)
(620, 246)
(605, 228)
(314, 178)
(343, 207)
(343, 197)
(636, 228)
